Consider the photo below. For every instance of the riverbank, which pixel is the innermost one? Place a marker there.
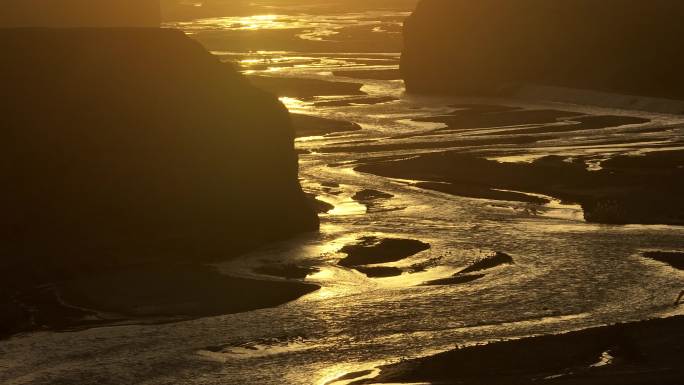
(627, 190)
(140, 294)
(638, 353)
(112, 213)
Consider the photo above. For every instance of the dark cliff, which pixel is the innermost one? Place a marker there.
(488, 46)
(133, 146)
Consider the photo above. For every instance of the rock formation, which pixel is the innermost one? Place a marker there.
(126, 146)
(488, 46)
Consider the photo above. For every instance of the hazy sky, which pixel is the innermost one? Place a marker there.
(79, 13)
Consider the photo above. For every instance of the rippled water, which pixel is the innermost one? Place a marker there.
(313, 27)
(567, 274)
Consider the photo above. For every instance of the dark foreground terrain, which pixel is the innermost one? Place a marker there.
(139, 294)
(135, 155)
(641, 353)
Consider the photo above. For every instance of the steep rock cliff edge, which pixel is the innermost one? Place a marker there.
(128, 146)
(485, 47)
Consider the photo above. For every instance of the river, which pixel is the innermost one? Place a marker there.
(568, 274)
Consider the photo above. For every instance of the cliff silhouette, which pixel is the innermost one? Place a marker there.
(131, 146)
(487, 47)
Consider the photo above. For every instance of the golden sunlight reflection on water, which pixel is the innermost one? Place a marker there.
(254, 22)
(567, 274)
(311, 27)
(345, 374)
(294, 104)
(348, 207)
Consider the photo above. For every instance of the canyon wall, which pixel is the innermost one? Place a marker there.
(128, 146)
(484, 47)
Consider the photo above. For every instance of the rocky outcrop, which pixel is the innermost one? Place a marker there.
(80, 13)
(131, 146)
(492, 46)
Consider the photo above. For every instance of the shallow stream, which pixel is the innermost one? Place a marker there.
(567, 275)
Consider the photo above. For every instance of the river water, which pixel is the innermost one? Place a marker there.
(567, 275)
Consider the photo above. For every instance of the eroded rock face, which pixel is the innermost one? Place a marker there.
(129, 146)
(490, 46)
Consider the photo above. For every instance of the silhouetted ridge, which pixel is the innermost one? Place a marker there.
(487, 46)
(129, 146)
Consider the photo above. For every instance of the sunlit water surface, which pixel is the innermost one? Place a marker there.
(567, 274)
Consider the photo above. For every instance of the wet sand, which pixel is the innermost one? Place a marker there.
(392, 74)
(372, 250)
(289, 271)
(477, 118)
(674, 259)
(145, 294)
(307, 125)
(481, 192)
(479, 265)
(640, 190)
(454, 280)
(177, 290)
(368, 196)
(379, 271)
(469, 117)
(488, 262)
(395, 146)
(356, 101)
(368, 252)
(642, 353)
(582, 123)
(304, 88)
(309, 89)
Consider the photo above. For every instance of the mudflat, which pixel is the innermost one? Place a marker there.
(142, 294)
(628, 189)
(641, 353)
